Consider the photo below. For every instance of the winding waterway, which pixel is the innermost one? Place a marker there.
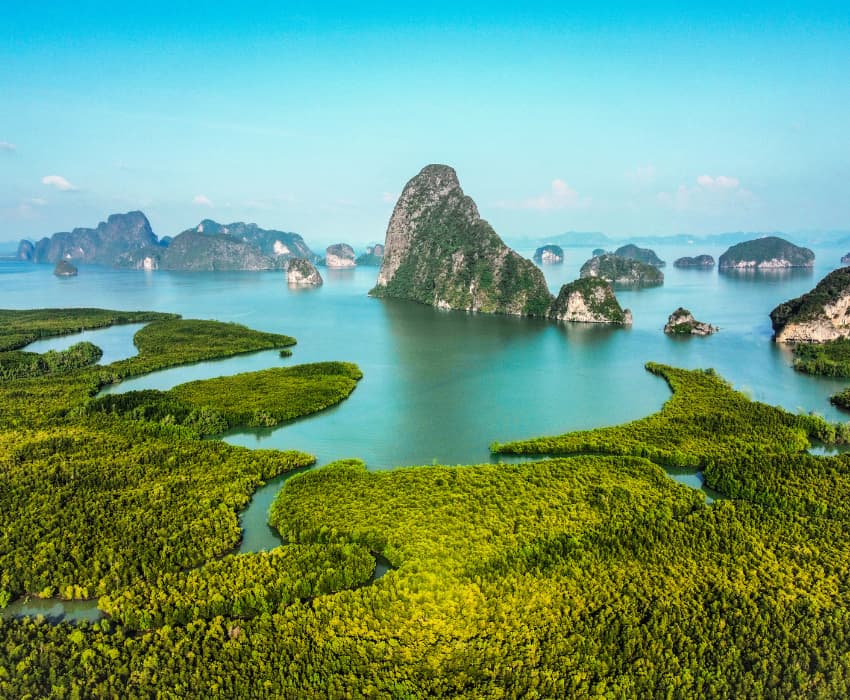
(439, 387)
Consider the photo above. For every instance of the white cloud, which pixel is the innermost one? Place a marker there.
(710, 193)
(38, 201)
(559, 196)
(202, 200)
(59, 182)
(8, 147)
(389, 197)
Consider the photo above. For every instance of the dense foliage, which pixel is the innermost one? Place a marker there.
(16, 364)
(241, 585)
(19, 328)
(254, 399)
(703, 421)
(591, 575)
(831, 359)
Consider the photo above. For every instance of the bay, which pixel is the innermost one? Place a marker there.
(441, 386)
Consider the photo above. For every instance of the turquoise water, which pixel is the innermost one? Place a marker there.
(441, 386)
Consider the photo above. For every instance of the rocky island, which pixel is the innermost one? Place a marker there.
(768, 253)
(439, 251)
(339, 256)
(845, 259)
(682, 322)
(620, 271)
(102, 245)
(373, 257)
(821, 315)
(302, 273)
(65, 269)
(644, 255)
(126, 240)
(589, 300)
(549, 255)
(703, 261)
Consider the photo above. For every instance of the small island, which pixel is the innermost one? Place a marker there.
(549, 254)
(373, 257)
(302, 273)
(682, 322)
(644, 255)
(64, 269)
(768, 253)
(624, 272)
(340, 256)
(699, 261)
(589, 300)
(845, 259)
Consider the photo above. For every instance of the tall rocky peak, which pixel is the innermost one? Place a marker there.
(439, 251)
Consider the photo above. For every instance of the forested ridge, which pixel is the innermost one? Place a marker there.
(589, 573)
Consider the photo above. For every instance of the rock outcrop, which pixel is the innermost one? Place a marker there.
(65, 269)
(698, 261)
(644, 255)
(439, 251)
(373, 257)
(589, 300)
(302, 273)
(682, 322)
(624, 272)
(768, 253)
(340, 256)
(598, 251)
(549, 255)
(819, 315)
(119, 235)
(26, 250)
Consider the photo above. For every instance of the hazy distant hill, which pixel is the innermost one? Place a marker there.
(126, 240)
(118, 235)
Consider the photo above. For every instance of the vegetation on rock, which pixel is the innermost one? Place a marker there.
(682, 322)
(766, 253)
(816, 316)
(697, 261)
(622, 272)
(65, 269)
(589, 300)
(644, 255)
(440, 252)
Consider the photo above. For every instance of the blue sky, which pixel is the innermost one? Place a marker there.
(627, 118)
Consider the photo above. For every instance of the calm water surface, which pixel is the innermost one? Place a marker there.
(441, 386)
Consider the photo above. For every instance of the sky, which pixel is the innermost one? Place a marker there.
(631, 118)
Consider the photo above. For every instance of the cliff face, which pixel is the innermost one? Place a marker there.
(682, 322)
(302, 273)
(644, 255)
(118, 235)
(766, 253)
(439, 251)
(625, 272)
(589, 300)
(340, 256)
(817, 316)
